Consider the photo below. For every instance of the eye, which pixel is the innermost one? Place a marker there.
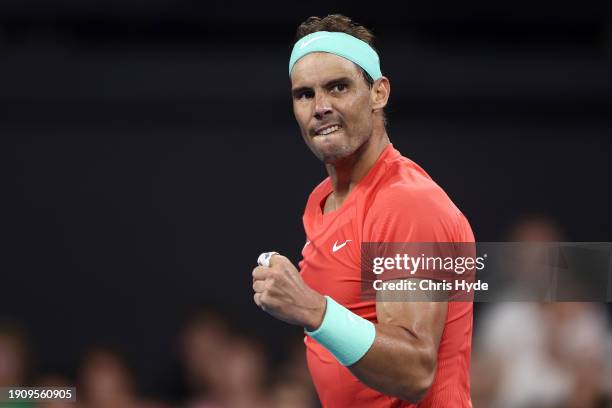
(304, 95)
(339, 87)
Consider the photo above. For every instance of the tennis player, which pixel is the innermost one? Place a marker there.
(363, 353)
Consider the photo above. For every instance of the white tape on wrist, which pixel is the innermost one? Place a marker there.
(264, 258)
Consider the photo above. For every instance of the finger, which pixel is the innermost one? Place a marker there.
(278, 259)
(259, 286)
(264, 298)
(260, 273)
(256, 297)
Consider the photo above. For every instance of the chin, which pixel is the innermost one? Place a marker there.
(335, 154)
(332, 149)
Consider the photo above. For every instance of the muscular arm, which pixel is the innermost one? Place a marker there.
(402, 361)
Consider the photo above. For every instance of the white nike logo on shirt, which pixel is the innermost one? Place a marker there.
(338, 247)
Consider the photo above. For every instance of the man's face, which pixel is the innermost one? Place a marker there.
(332, 105)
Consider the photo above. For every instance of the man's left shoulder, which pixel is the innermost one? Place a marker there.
(408, 205)
(407, 189)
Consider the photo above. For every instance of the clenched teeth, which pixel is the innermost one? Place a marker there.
(328, 130)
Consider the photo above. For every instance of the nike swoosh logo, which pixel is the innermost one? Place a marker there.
(305, 43)
(306, 244)
(338, 247)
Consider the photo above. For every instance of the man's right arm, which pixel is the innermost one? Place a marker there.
(403, 358)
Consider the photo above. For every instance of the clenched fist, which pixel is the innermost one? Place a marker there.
(281, 291)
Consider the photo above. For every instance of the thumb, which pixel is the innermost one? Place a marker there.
(278, 260)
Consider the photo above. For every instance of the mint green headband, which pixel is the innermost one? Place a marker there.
(341, 44)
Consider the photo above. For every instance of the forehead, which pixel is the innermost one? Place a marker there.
(320, 67)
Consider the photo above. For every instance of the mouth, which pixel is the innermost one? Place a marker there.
(327, 130)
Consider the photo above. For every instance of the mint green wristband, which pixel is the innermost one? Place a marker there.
(346, 335)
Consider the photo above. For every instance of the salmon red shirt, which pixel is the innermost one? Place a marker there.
(395, 202)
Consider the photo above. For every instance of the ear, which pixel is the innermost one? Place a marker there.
(381, 89)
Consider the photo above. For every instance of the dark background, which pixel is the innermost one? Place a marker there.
(149, 152)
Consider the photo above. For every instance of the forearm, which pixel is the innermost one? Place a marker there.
(399, 363)
(397, 356)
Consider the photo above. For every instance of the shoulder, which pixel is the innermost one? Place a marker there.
(412, 205)
(407, 189)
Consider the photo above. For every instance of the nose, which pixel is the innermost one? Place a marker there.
(322, 106)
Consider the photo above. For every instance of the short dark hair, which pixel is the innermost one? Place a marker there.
(342, 24)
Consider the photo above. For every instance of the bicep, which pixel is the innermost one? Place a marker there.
(423, 319)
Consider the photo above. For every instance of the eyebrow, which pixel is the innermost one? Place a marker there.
(328, 84)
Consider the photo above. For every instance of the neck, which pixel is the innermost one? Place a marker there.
(347, 173)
